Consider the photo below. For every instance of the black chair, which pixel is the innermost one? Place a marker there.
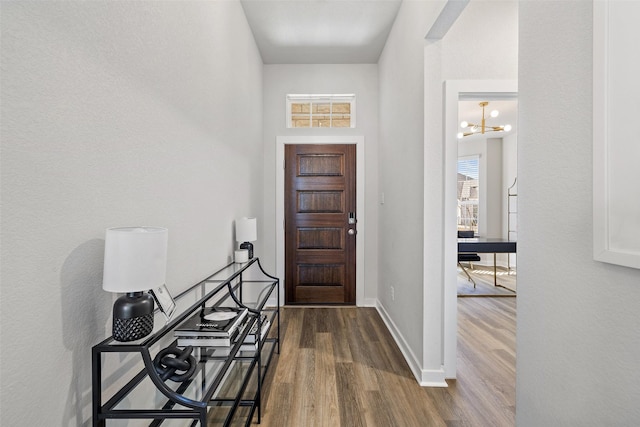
(467, 256)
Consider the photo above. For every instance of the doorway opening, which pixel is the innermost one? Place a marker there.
(358, 141)
(487, 195)
(456, 90)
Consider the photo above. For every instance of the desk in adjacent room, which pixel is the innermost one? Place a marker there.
(487, 245)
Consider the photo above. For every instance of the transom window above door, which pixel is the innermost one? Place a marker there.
(321, 111)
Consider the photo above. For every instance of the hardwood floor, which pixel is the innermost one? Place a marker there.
(341, 367)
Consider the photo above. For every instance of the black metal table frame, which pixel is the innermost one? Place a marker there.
(197, 410)
(487, 245)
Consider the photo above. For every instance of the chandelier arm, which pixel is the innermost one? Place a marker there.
(474, 128)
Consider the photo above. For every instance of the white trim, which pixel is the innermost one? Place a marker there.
(426, 378)
(369, 302)
(607, 142)
(281, 141)
(454, 90)
(448, 16)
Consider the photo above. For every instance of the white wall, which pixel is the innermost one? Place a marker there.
(113, 113)
(494, 187)
(361, 79)
(577, 335)
(412, 73)
(401, 124)
(474, 71)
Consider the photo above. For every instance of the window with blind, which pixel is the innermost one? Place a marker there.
(468, 192)
(316, 111)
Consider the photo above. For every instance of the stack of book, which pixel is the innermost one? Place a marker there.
(212, 327)
(251, 340)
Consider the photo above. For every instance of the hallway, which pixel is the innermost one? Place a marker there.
(341, 367)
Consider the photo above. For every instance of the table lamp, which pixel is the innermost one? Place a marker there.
(135, 260)
(246, 232)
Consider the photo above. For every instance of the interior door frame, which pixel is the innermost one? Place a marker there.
(358, 140)
(454, 90)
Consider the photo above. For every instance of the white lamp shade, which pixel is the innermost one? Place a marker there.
(246, 230)
(135, 259)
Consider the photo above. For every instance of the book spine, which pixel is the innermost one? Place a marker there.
(201, 330)
(204, 342)
(207, 341)
(194, 334)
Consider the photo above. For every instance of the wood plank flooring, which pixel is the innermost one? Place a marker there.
(483, 276)
(340, 367)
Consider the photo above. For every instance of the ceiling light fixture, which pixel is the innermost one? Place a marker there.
(482, 128)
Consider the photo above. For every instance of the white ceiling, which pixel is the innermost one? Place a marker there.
(320, 31)
(349, 32)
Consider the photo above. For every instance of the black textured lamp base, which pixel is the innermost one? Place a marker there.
(132, 329)
(132, 316)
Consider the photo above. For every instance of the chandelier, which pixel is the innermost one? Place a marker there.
(483, 127)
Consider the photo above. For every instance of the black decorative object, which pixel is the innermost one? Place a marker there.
(172, 360)
(132, 316)
(246, 232)
(249, 247)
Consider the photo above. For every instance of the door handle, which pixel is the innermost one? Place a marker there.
(351, 232)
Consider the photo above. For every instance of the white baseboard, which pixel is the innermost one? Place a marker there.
(370, 302)
(425, 377)
(433, 378)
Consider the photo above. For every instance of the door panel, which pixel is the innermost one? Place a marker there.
(320, 192)
(320, 201)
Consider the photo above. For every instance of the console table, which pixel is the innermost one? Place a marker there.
(226, 386)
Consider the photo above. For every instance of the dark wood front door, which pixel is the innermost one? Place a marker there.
(320, 240)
